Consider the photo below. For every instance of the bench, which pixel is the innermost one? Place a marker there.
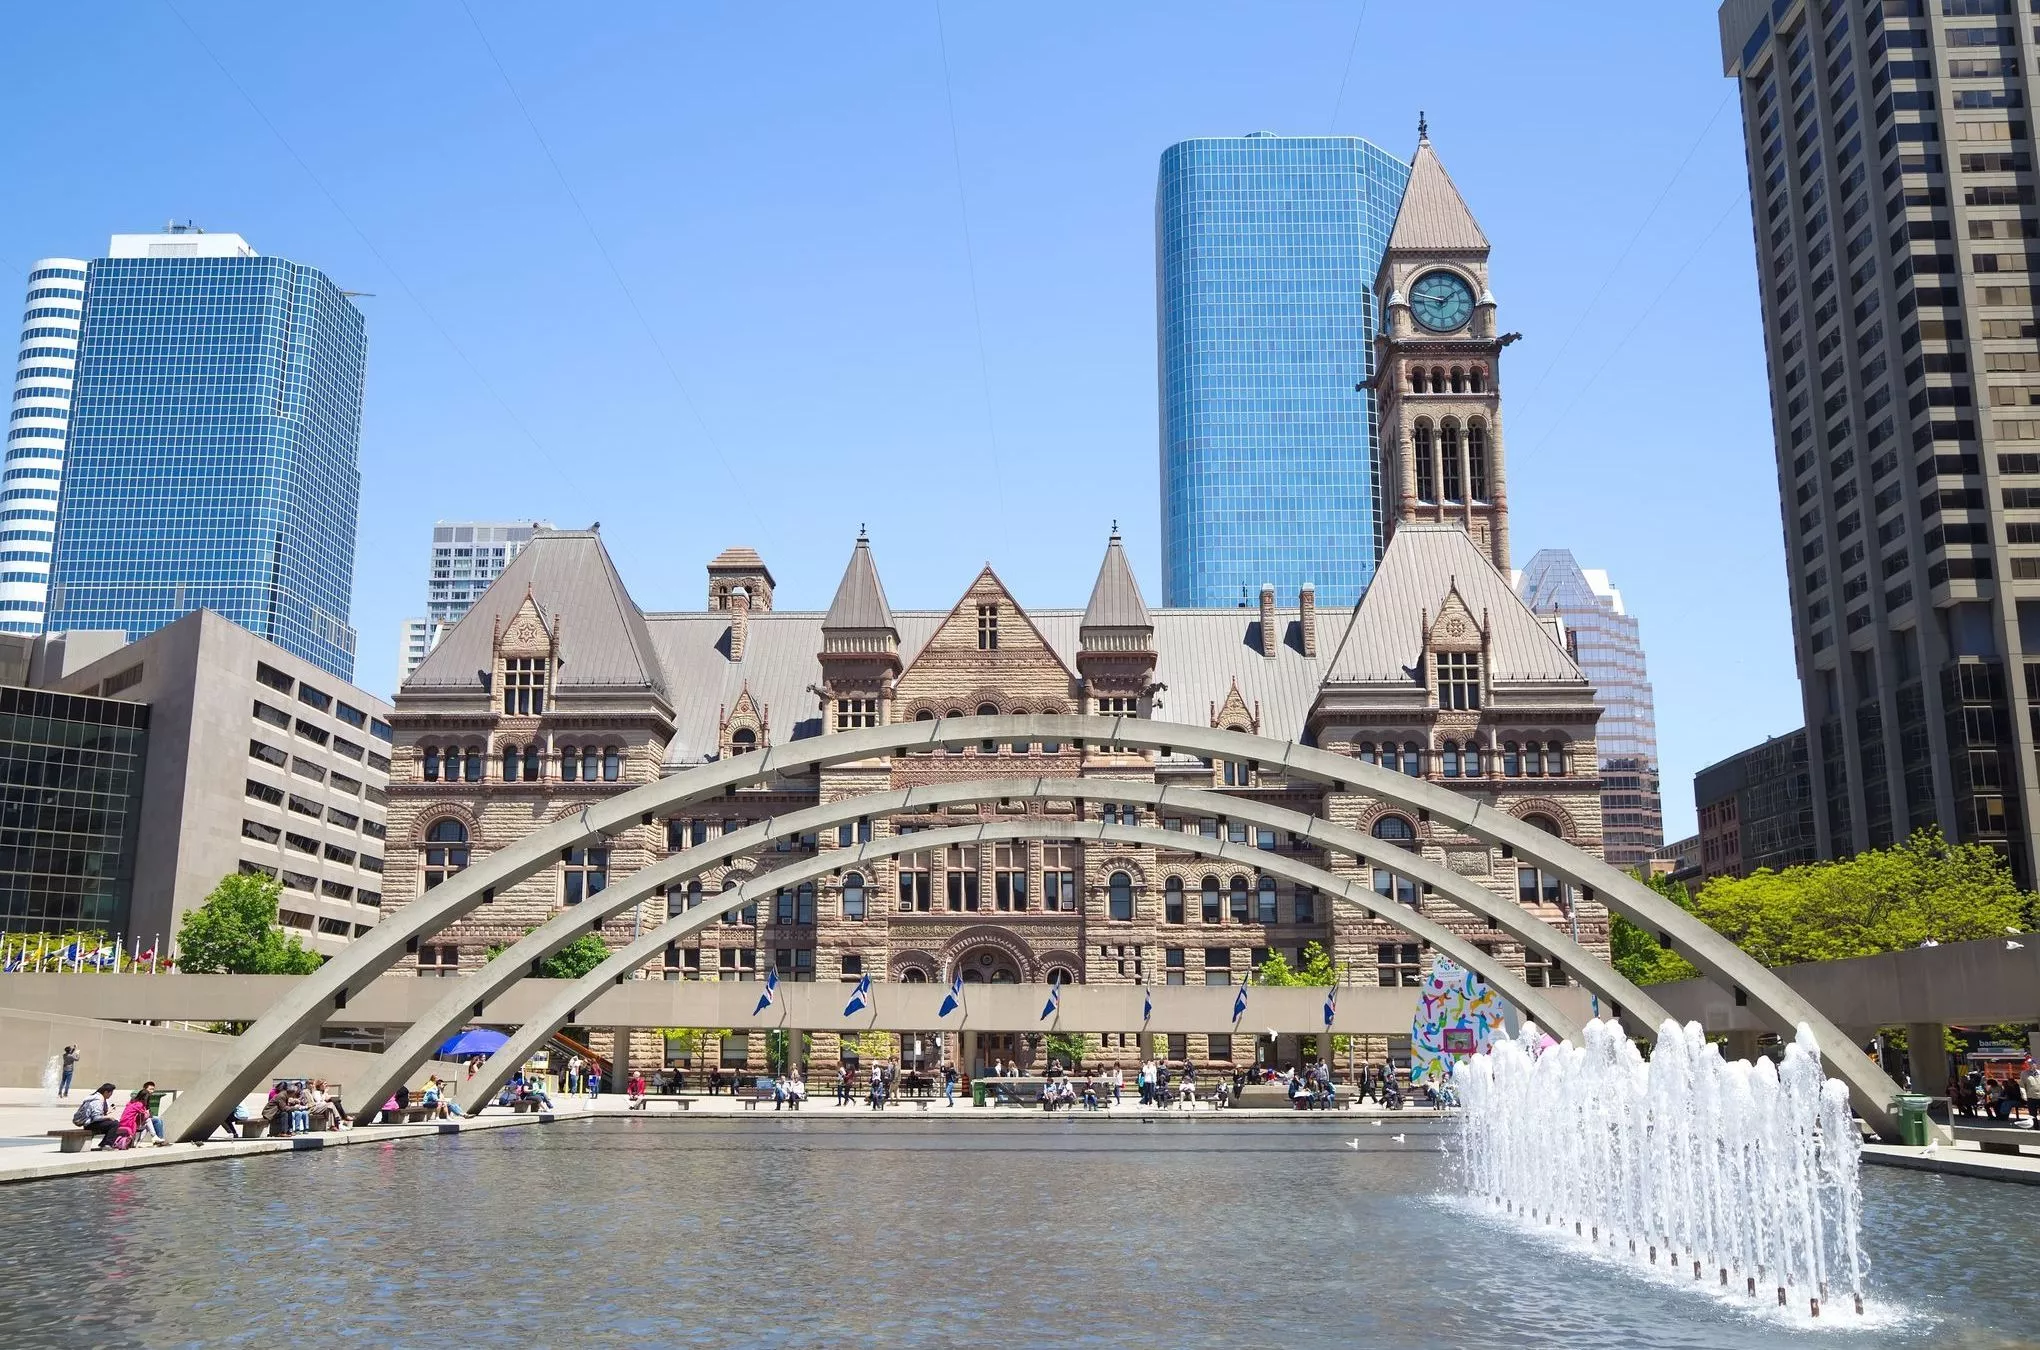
(750, 1097)
(72, 1141)
(679, 1103)
(2002, 1139)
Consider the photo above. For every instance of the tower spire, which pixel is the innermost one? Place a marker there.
(1423, 129)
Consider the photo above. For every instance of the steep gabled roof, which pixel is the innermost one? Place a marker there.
(1433, 214)
(860, 598)
(604, 643)
(1422, 565)
(1115, 599)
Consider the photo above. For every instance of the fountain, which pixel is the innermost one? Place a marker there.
(1748, 1171)
(51, 1076)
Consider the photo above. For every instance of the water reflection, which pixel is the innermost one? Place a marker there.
(910, 1233)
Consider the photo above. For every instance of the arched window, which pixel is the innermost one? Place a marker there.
(1458, 379)
(570, 764)
(1449, 760)
(1437, 379)
(1210, 911)
(743, 741)
(1391, 758)
(1476, 380)
(591, 763)
(431, 769)
(1476, 459)
(612, 763)
(1238, 896)
(533, 768)
(1512, 760)
(1469, 760)
(446, 850)
(1448, 456)
(923, 716)
(913, 975)
(957, 748)
(1119, 897)
(1534, 884)
(1051, 747)
(1420, 449)
(473, 764)
(1413, 759)
(1172, 900)
(1554, 759)
(988, 747)
(1417, 382)
(853, 895)
(1264, 901)
(1396, 830)
(1365, 753)
(693, 893)
(513, 760)
(1533, 760)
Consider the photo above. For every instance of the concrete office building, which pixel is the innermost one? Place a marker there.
(1609, 648)
(466, 557)
(1756, 809)
(38, 423)
(213, 455)
(1890, 157)
(257, 760)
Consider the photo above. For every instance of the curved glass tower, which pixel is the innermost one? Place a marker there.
(39, 420)
(1266, 249)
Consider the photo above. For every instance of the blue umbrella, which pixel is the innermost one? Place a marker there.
(473, 1041)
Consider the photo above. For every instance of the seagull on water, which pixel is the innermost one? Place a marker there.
(1352, 1143)
(1400, 1138)
(2012, 946)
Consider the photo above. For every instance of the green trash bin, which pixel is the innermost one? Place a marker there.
(977, 1092)
(1912, 1119)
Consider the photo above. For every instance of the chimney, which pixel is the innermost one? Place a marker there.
(740, 618)
(1306, 617)
(1268, 633)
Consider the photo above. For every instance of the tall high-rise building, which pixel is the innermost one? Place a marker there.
(466, 557)
(214, 451)
(1266, 248)
(1890, 160)
(1610, 652)
(38, 421)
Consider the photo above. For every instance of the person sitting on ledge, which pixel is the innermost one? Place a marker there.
(147, 1093)
(322, 1111)
(95, 1113)
(533, 1092)
(438, 1101)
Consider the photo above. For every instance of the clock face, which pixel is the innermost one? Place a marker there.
(1441, 301)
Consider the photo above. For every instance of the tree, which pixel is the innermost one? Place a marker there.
(235, 932)
(1067, 1046)
(1635, 953)
(1318, 968)
(570, 962)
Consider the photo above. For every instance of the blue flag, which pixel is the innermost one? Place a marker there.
(771, 993)
(1239, 1004)
(69, 953)
(1147, 1008)
(1049, 1008)
(955, 999)
(859, 998)
(1331, 1006)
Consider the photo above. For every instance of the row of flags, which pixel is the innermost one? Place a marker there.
(74, 956)
(860, 1000)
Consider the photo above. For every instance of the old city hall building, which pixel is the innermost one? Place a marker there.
(556, 689)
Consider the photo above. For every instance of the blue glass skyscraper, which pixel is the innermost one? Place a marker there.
(214, 452)
(1266, 249)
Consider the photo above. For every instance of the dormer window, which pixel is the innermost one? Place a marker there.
(1458, 679)
(524, 686)
(988, 628)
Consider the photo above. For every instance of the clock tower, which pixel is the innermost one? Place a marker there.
(1437, 362)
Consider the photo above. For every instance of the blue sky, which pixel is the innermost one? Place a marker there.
(794, 346)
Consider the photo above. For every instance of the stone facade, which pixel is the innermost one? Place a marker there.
(556, 690)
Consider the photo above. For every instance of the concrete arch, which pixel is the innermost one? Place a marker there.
(564, 1007)
(323, 993)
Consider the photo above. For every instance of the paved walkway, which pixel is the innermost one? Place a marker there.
(1963, 1159)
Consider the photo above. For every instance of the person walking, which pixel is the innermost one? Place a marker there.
(949, 1084)
(2029, 1083)
(70, 1066)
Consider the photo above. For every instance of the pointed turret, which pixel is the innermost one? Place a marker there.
(1433, 217)
(860, 645)
(1116, 642)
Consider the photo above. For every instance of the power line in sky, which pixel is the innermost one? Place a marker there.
(374, 252)
(1351, 48)
(970, 262)
(666, 360)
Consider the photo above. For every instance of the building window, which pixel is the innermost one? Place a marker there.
(612, 764)
(472, 766)
(570, 764)
(1264, 901)
(1458, 679)
(739, 964)
(852, 964)
(513, 760)
(439, 959)
(1543, 972)
(1448, 760)
(1512, 760)
(1009, 877)
(1390, 886)
(988, 628)
(954, 747)
(744, 914)
(587, 872)
(1210, 909)
(1172, 965)
(961, 879)
(1476, 454)
(914, 893)
(851, 833)
(532, 769)
(1448, 455)
(1420, 446)
(988, 747)
(1306, 904)
(430, 760)
(524, 686)
(1218, 965)
(853, 897)
(1239, 899)
(1172, 900)
(855, 713)
(1119, 897)
(1219, 1046)
(1059, 878)
(1396, 830)
(796, 965)
(1398, 965)
(796, 906)
(446, 850)
(743, 741)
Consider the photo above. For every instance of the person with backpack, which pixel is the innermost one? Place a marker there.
(70, 1067)
(95, 1113)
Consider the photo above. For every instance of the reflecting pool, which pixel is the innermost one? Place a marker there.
(1020, 1230)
